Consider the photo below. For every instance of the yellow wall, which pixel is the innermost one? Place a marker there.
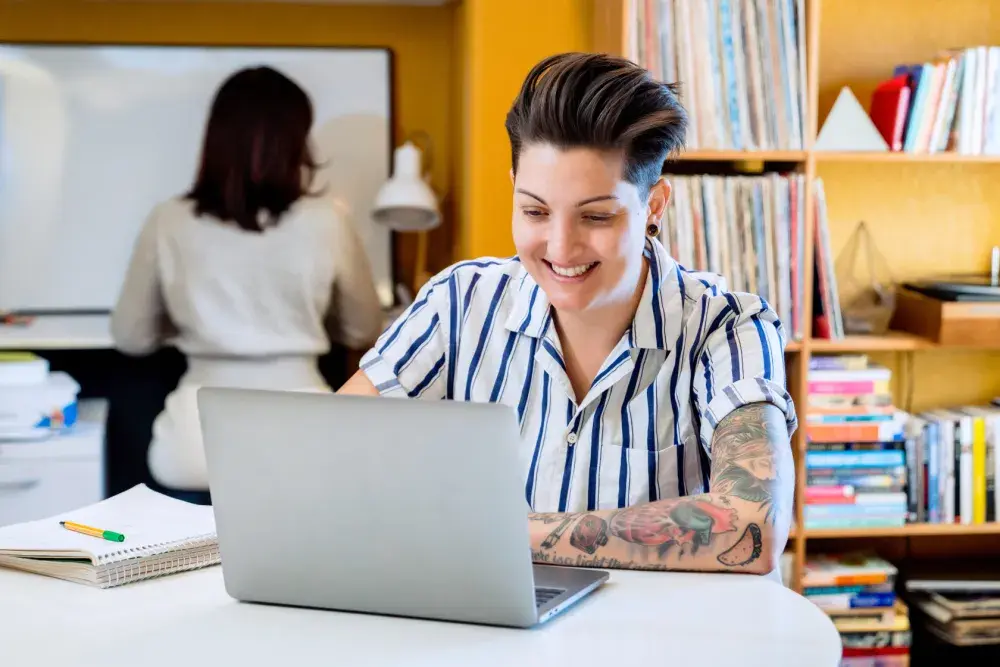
(503, 40)
(421, 39)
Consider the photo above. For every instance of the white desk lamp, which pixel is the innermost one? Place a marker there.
(406, 203)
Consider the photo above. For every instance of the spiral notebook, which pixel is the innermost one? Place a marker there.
(162, 536)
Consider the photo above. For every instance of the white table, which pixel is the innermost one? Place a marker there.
(59, 332)
(637, 618)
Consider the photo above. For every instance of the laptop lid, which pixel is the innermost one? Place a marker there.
(412, 508)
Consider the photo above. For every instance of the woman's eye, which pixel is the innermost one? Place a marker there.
(534, 213)
(597, 218)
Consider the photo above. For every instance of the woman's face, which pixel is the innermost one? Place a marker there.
(579, 227)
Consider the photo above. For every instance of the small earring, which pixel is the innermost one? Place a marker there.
(653, 229)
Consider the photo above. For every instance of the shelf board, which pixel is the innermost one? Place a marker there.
(909, 530)
(862, 156)
(741, 156)
(893, 341)
(832, 156)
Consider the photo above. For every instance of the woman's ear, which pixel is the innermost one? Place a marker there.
(659, 197)
(512, 176)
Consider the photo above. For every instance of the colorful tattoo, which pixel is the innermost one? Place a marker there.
(746, 550)
(683, 522)
(590, 533)
(554, 536)
(745, 458)
(750, 455)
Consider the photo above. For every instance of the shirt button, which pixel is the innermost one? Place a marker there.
(571, 438)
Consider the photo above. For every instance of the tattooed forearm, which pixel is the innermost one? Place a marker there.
(738, 526)
(750, 457)
(648, 536)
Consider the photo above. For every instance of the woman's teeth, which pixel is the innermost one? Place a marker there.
(571, 271)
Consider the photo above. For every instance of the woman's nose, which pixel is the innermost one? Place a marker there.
(563, 239)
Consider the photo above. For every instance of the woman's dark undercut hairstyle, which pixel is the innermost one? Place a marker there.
(255, 157)
(589, 100)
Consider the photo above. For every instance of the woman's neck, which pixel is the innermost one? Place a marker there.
(588, 337)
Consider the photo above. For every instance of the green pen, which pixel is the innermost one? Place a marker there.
(109, 535)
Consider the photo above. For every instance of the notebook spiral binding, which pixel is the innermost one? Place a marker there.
(138, 563)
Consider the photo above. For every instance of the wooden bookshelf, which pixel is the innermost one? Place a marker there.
(934, 158)
(893, 341)
(744, 156)
(835, 156)
(908, 530)
(928, 213)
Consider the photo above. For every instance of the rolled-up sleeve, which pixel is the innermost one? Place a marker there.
(740, 359)
(410, 359)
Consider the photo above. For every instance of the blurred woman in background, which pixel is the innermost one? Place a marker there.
(249, 274)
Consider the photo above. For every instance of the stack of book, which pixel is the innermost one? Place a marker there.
(946, 104)
(750, 230)
(856, 474)
(742, 64)
(954, 465)
(857, 591)
(959, 603)
(961, 618)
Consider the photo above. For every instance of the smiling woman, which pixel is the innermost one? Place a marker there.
(654, 418)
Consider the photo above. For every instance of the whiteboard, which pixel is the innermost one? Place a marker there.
(92, 137)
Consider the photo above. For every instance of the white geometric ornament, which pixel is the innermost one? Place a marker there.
(849, 128)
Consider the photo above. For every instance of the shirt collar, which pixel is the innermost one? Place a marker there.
(530, 314)
(657, 320)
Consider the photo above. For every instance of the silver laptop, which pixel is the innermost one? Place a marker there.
(379, 505)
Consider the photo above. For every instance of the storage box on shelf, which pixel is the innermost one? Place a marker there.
(958, 323)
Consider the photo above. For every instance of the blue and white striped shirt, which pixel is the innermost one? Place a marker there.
(482, 331)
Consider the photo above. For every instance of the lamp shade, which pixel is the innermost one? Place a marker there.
(406, 202)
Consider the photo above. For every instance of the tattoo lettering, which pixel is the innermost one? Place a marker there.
(590, 533)
(554, 536)
(746, 550)
(744, 450)
(548, 558)
(688, 522)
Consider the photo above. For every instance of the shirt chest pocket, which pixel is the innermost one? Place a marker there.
(636, 474)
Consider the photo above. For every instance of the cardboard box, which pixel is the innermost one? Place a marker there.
(957, 323)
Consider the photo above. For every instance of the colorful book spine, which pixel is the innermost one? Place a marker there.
(886, 431)
(846, 459)
(842, 590)
(978, 470)
(848, 387)
(844, 601)
(856, 522)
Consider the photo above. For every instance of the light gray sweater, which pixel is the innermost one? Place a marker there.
(247, 309)
(215, 290)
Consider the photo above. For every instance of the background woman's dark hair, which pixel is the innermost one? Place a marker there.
(574, 100)
(255, 157)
